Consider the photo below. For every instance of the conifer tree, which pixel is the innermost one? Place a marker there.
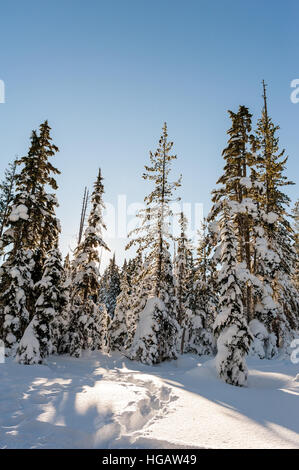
(42, 226)
(233, 336)
(32, 230)
(235, 185)
(16, 282)
(118, 329)
(140, 290)
(283, 317)
(203, 301)
(61, 324)
(157, 328)
(46, 327)
(67, 266)
(85, 325)
(109, 288)
(105, 328)
(264, 266)
(244, 191)
(184, 280)
(7, 187)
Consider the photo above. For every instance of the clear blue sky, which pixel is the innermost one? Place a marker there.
(107, 74)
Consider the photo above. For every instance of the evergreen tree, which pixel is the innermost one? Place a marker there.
(16, 282)
(264, 266)
(110, 286)
(7, 187)
(157, 329)
(46, 327)
(184, 280)
(105, 328)
(118, 329)
(61, 324)
(32, 230)
(273, 202)
(253, 176)
(233, 336)
(67, 266)
(85, 326)
(140, 290)
(235, 185)
(203, 301)
(41, 229)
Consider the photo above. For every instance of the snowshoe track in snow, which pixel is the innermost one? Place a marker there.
(140, 413)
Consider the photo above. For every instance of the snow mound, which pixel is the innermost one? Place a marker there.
(207, 371)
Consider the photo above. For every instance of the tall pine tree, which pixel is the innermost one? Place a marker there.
(32, 230)
(7, 187)
(203, 300)
(283, 316)
(44, 333)
(87, 319)
(233, 336)
(109, 288)
(157, 328)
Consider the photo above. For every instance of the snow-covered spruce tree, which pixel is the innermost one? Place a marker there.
(235, 185)
(60, 330)
(31, 231)
(184, 282)
(244, 191)
(157, 328)
(16, 282)
(47, 326)
(233, 336)
(105, 326)
(86, 316)
(133, 267)
(264, 266)
(278, 233)
(7, 187)
(141, 286)
(42, 227)
(285, 291)
(118, 333)
(203, 301)
(110, 286)
(67, 267)
(61, 325)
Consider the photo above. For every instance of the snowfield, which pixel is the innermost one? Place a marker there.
(108, 401)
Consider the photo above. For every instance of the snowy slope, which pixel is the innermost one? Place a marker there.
(110, 402)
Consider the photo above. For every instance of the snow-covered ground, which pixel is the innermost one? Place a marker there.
(102, 401)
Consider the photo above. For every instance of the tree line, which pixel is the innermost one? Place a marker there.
(234, 294)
